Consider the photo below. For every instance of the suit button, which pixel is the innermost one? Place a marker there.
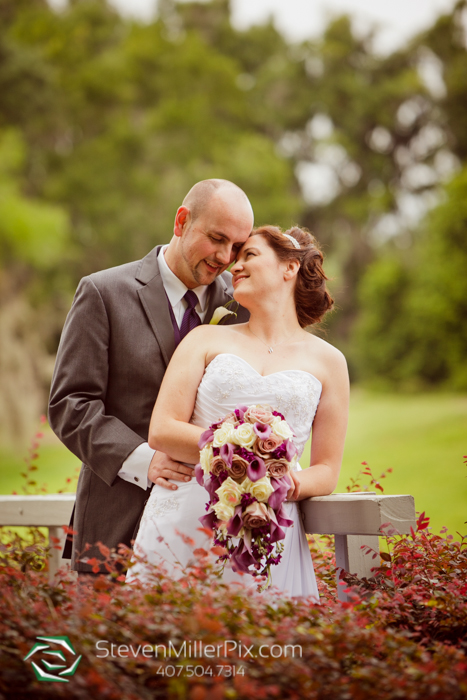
(136, 478)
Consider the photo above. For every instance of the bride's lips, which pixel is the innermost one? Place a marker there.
(238, 279)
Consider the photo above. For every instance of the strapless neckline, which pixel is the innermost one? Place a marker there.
(264, 376)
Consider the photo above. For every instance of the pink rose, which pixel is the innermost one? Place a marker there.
(238, 468)
(264, 447)
(255, 515)
(258, 414)
(277, 468)
(217, 465)
(230, 418)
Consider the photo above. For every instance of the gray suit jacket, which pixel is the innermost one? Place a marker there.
(116, 344)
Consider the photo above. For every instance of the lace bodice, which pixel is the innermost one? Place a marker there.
(229, 380)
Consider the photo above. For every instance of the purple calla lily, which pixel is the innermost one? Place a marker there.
(277, 533)
(282, 518)
(256, 469)
(290, 450)
(226, 452)
(241, 559)
(199, 474)
(235, 523)
(211, 485)
(240, 411)
(209, 520)
(206, 437)
(281, 486)
(262, 430)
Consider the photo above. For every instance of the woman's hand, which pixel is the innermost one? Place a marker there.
(293, 493)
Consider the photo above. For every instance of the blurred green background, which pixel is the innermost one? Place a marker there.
(106, 122)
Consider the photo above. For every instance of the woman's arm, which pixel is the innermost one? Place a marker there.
(170, 430)
(329, 428)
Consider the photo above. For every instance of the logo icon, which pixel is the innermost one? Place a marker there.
(57, 662)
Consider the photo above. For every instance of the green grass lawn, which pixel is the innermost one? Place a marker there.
(421, 437)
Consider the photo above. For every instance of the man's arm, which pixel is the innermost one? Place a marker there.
(79, 385)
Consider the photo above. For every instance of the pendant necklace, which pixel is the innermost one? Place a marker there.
(271, 347)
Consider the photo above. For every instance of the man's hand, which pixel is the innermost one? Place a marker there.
(162, 467)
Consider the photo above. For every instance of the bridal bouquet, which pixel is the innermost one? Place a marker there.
(244, 464)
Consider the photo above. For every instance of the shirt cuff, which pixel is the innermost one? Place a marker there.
(136, 466)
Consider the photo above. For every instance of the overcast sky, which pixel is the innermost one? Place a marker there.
(299, 19)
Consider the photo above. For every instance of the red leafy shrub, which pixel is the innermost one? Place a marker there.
(401, 636)
(420, 587)
(267, 646)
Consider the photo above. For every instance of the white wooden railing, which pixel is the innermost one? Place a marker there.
(355, 520)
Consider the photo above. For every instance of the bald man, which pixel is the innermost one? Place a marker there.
(117, 341)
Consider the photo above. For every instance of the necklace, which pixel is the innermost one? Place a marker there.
(271, 347)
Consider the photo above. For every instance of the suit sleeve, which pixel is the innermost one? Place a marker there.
(77, 399)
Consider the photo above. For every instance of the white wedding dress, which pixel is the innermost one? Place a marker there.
(171, 517)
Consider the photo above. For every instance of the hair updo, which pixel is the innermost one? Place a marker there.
(312, 300)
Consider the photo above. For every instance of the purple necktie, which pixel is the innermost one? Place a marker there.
(190, 318)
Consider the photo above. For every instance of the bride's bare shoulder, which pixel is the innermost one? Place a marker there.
(207, 334)
(328, 354)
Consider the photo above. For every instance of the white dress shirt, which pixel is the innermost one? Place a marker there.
(135, 468)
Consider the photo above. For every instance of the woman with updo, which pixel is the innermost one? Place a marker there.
(273, 361)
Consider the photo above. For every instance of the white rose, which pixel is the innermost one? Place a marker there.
(223, 511)
(294, 462)
(223, 435)
(281, 428)
(244, 435)
(261, 489)
(230, 492)
(205, 458)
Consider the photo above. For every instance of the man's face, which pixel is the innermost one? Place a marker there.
(209, 244)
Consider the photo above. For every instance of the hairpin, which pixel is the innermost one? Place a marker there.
(292, 240)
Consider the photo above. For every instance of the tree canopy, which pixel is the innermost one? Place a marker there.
(106, 122)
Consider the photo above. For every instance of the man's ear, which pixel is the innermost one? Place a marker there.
(182, 219)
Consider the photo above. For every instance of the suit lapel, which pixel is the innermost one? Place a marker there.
(155, 303)
(218, 296)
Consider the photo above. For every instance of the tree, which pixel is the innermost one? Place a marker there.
(411, 329)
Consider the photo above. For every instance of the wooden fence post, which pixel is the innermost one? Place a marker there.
(357, 520)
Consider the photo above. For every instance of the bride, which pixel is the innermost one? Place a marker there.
(271, 360)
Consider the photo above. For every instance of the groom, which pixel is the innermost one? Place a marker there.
(118, 339)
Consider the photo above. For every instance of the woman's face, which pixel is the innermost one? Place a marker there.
(257, 270)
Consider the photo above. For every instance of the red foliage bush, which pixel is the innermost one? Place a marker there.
(389, 642)
(401, 636)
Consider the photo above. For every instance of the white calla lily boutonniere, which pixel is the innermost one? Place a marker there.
(222, 312)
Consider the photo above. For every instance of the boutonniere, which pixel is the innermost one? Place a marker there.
(222, 312)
